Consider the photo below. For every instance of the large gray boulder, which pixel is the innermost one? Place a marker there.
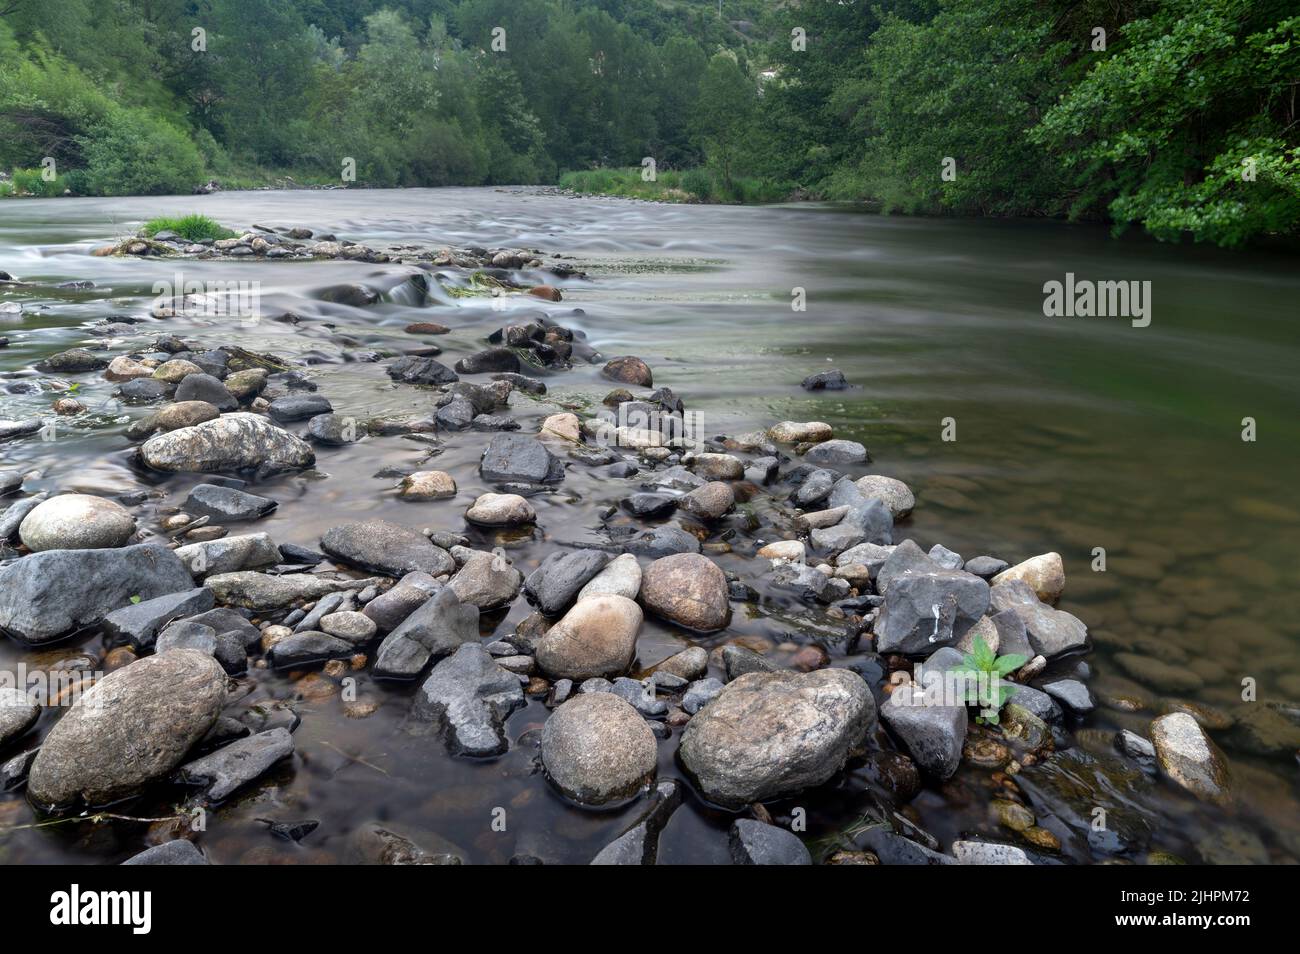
(926, 606)
(772, 734)
(385, 547)
(467, 698)
(758, 843)
(51, 594)
(232, 442)
(131, 728)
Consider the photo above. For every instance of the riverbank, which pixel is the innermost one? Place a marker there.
(988, 492)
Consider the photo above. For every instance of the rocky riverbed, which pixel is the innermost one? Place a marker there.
(578, 623)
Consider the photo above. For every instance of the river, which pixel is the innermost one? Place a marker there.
(1019, 434)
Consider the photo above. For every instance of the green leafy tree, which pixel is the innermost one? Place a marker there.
(724, 116)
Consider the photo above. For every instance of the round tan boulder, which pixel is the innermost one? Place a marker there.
(688, 589)
(598, 751)
(185, 414)
(796, 432)
(427, 485)
(597, 637)
(1045, 573)
(176, 370)
(131, 728)
(76, 522)
(501, 510)
(564, 426)
(126, 368)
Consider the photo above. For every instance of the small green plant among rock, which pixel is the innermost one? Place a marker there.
(192, 227)
(988, 691)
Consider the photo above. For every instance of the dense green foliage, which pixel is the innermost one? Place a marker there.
(1183, 121)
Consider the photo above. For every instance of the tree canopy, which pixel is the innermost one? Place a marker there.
(1177, 116)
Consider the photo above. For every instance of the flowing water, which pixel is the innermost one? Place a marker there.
(1071, 434)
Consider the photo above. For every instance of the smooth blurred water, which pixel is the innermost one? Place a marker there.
(1071, 434)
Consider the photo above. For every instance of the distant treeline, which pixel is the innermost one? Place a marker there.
(1176, 115)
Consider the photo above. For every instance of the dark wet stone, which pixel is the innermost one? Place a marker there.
(414, 369)
(555, 584)
(933, 734)
(893, 849)
(438, 627)
(985, 567)
(639, 844)
(832, 380)
(222, 772)
(14, 771)
(738, 661)
(12, 429)
(73, 361)
(206, 388)
(178, 852)
(649, 505)
(143, 391)
(355, 294)
(387, 548)
(662, 542)
(816, 487)
(489, 360)
(468, 698)
(1072, 693)
(299, 407)
(455, 415)
(522, 382)
(389, 609)
(913, 586)
(1138, 749)
(334, 430)
(1036, 701)
(307, 647)
(513, 457)
(293, 553)
(140, 622)
(227, 504)
(757, 843)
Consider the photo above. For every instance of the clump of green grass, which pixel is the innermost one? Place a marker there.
(193, 227)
